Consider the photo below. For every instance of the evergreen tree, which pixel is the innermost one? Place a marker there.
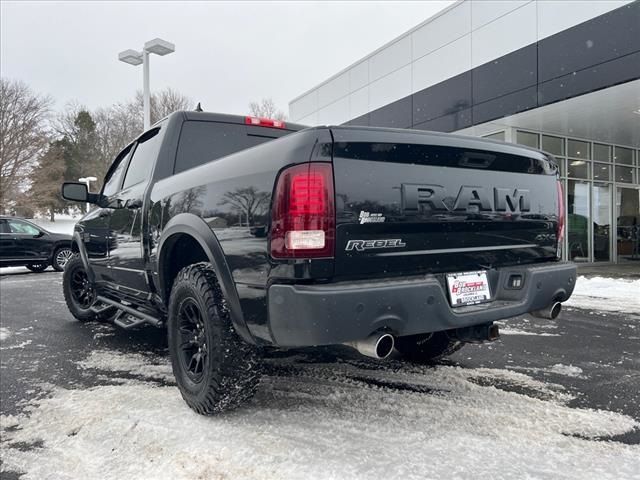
(48, 176)
(81, 147)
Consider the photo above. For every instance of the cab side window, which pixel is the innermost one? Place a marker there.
(114, 176)
(4, 227)
(143, 158)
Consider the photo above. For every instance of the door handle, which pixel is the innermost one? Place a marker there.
(134, 204)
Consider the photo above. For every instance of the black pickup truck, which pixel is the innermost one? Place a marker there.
(238, 233)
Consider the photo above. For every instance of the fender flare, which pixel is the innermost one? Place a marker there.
(77, 240)
(197, 228)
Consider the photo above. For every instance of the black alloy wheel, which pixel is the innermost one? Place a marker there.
(193, 340)
(81, 289)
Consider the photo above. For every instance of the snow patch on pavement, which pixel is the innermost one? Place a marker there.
(515, 331)
(4, 333)
(610, 294)
(132, 363)
(18, 345)
(567, 370)
(344, 420)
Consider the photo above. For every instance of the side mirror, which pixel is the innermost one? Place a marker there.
(75, 191)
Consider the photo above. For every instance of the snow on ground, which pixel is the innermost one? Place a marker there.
(515, 331)
(18, 345)
(4, 333)
(322, 421)
(610, 294)
(568, 370)
(134, 363)
(6, 270)
(63, 224)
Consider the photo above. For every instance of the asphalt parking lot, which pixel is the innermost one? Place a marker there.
(588, 359)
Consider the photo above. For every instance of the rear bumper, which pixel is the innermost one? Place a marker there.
(306, 315)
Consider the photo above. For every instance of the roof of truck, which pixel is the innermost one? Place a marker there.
(228, 118)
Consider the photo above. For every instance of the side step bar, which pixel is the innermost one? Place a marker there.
(129, 317)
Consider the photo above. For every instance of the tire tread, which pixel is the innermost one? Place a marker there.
(233, 376)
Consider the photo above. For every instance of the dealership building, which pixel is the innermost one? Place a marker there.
(563, 76)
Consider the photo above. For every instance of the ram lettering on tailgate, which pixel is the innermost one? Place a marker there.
(416, 197)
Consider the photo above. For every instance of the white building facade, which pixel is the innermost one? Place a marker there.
(561, 75)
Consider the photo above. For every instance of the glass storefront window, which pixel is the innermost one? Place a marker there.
(562, 165)
(601, 171)
(628, 221)
(577, 149)
(578, 220)
(578, 169)
(601, 153)
(496, 136)
(601, 208)
(624, 174)
(553, 145)
(623, 156)
(528, 139)
(600, 214)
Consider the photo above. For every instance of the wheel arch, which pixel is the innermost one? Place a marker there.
(187, 227)
(77, 246)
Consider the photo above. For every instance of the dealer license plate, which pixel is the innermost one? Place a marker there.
(468, 288)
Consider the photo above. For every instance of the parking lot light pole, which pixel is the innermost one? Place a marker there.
(88, 181)
(134, 57)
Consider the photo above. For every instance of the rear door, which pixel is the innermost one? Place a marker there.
(411, 203)
(126, 253)
(7, 241)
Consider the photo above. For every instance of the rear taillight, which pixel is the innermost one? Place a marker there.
(264, 122)
(561, 215)
(303, 213)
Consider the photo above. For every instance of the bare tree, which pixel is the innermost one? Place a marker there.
(246, 201)
(23, 136)
(163, 103)
(119, 124)
(266, 108)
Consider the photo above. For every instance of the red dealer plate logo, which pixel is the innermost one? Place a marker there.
(468, 288)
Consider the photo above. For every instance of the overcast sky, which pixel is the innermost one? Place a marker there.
(227, 53)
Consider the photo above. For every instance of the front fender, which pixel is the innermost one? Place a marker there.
(197, 228)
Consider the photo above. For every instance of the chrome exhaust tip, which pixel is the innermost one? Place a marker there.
(377, 345)
(550, 312)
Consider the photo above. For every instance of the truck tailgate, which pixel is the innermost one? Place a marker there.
(413, 202)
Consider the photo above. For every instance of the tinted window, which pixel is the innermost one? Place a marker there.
(143, 158)
(114, 177)
(4, 228)
(23, 228)
(201, 142)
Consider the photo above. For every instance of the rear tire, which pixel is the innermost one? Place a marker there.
(37, 267)
(427, 348)
(61, 257)
(214, 368)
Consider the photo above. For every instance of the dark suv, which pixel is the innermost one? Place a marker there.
(23, 243)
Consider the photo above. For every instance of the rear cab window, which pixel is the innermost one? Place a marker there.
(201, 141)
